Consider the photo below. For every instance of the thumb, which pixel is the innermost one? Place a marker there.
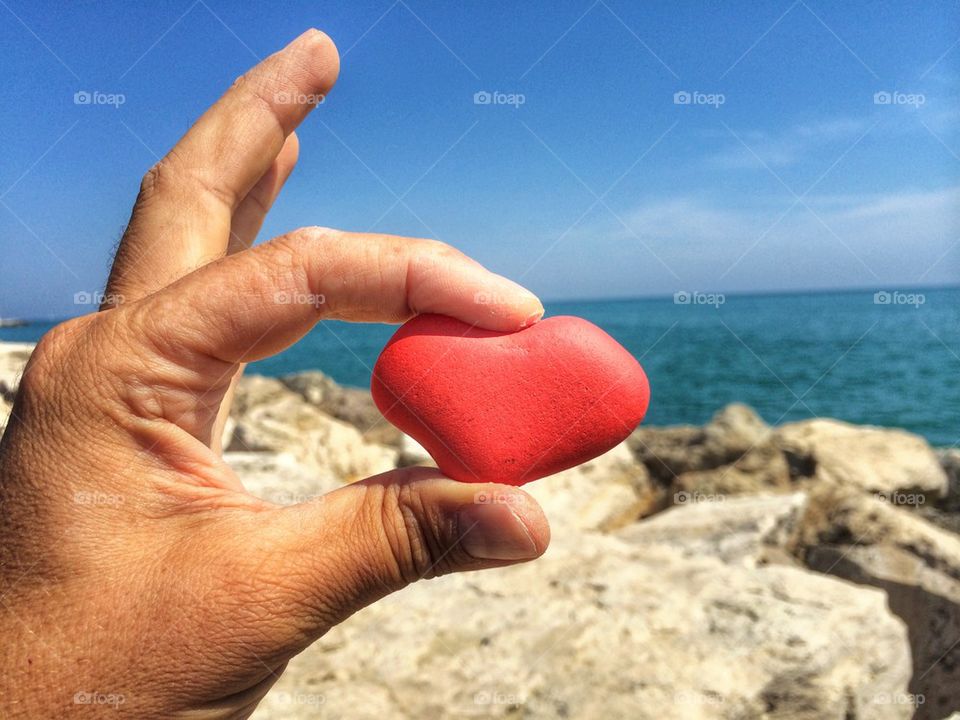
(357, 544)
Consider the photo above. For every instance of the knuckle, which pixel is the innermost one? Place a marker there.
(437, 247)
(173, 176)
(63, 372)
(286, 266)
(418, 541)
(51, 354)
(155, 180)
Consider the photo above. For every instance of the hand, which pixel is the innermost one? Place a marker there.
(135, 570)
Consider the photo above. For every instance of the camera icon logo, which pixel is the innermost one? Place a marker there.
(682, 97)
(482, 97)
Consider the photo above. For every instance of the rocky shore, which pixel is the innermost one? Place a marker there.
(734, 570)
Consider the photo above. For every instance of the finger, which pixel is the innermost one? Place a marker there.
(247, 220)
(250, 213)
(192, 335)
(256, 303)
(351, 547)
(182, 216)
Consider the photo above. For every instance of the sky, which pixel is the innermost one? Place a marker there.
(587, 149)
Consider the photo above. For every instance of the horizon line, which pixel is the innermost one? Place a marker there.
(652, 296)
(891, 287)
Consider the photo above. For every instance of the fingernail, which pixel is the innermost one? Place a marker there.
(532, 319)
(495, 532)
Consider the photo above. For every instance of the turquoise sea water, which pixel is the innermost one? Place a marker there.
(840, 355)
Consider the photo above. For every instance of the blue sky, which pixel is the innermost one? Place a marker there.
(784, 171)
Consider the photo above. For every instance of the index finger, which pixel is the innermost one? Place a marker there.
(258, 302)
(182, 216)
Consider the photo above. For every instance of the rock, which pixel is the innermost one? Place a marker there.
(602, 628)
(748, 530)
(945, 512)
(950, 462)
(279, 477)
(352, 405)
(271, 418)
(734, 431)
(413, 453)
(871, 542)
(605, 493)
(669, 452)
(229, 425)
(5, 410)
(255, 391)
(762, 468)
(878, 460)
(734, 453)
(13, 357)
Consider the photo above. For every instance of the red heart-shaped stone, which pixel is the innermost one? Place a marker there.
(509, 407)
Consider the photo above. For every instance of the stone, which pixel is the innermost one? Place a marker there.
(735, 430)
(13, 358)
(354, 406)
(279, 477)
(762, 468)
(413, 453)
(950, 462)
(271, 418)
(874, 459)
(509, 407)
(603, 494)
(5, 409)
(600, 628)
(749, 530)
(669, 452)
(872, 542)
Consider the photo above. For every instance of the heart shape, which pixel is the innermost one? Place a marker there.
(509, 407)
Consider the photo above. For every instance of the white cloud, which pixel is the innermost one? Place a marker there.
(900, 238)
(756, 149)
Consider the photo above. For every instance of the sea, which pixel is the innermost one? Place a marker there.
(889, 357)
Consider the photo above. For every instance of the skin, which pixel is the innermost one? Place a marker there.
(133, 564)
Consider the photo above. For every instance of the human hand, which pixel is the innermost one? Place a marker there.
(134, 567)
